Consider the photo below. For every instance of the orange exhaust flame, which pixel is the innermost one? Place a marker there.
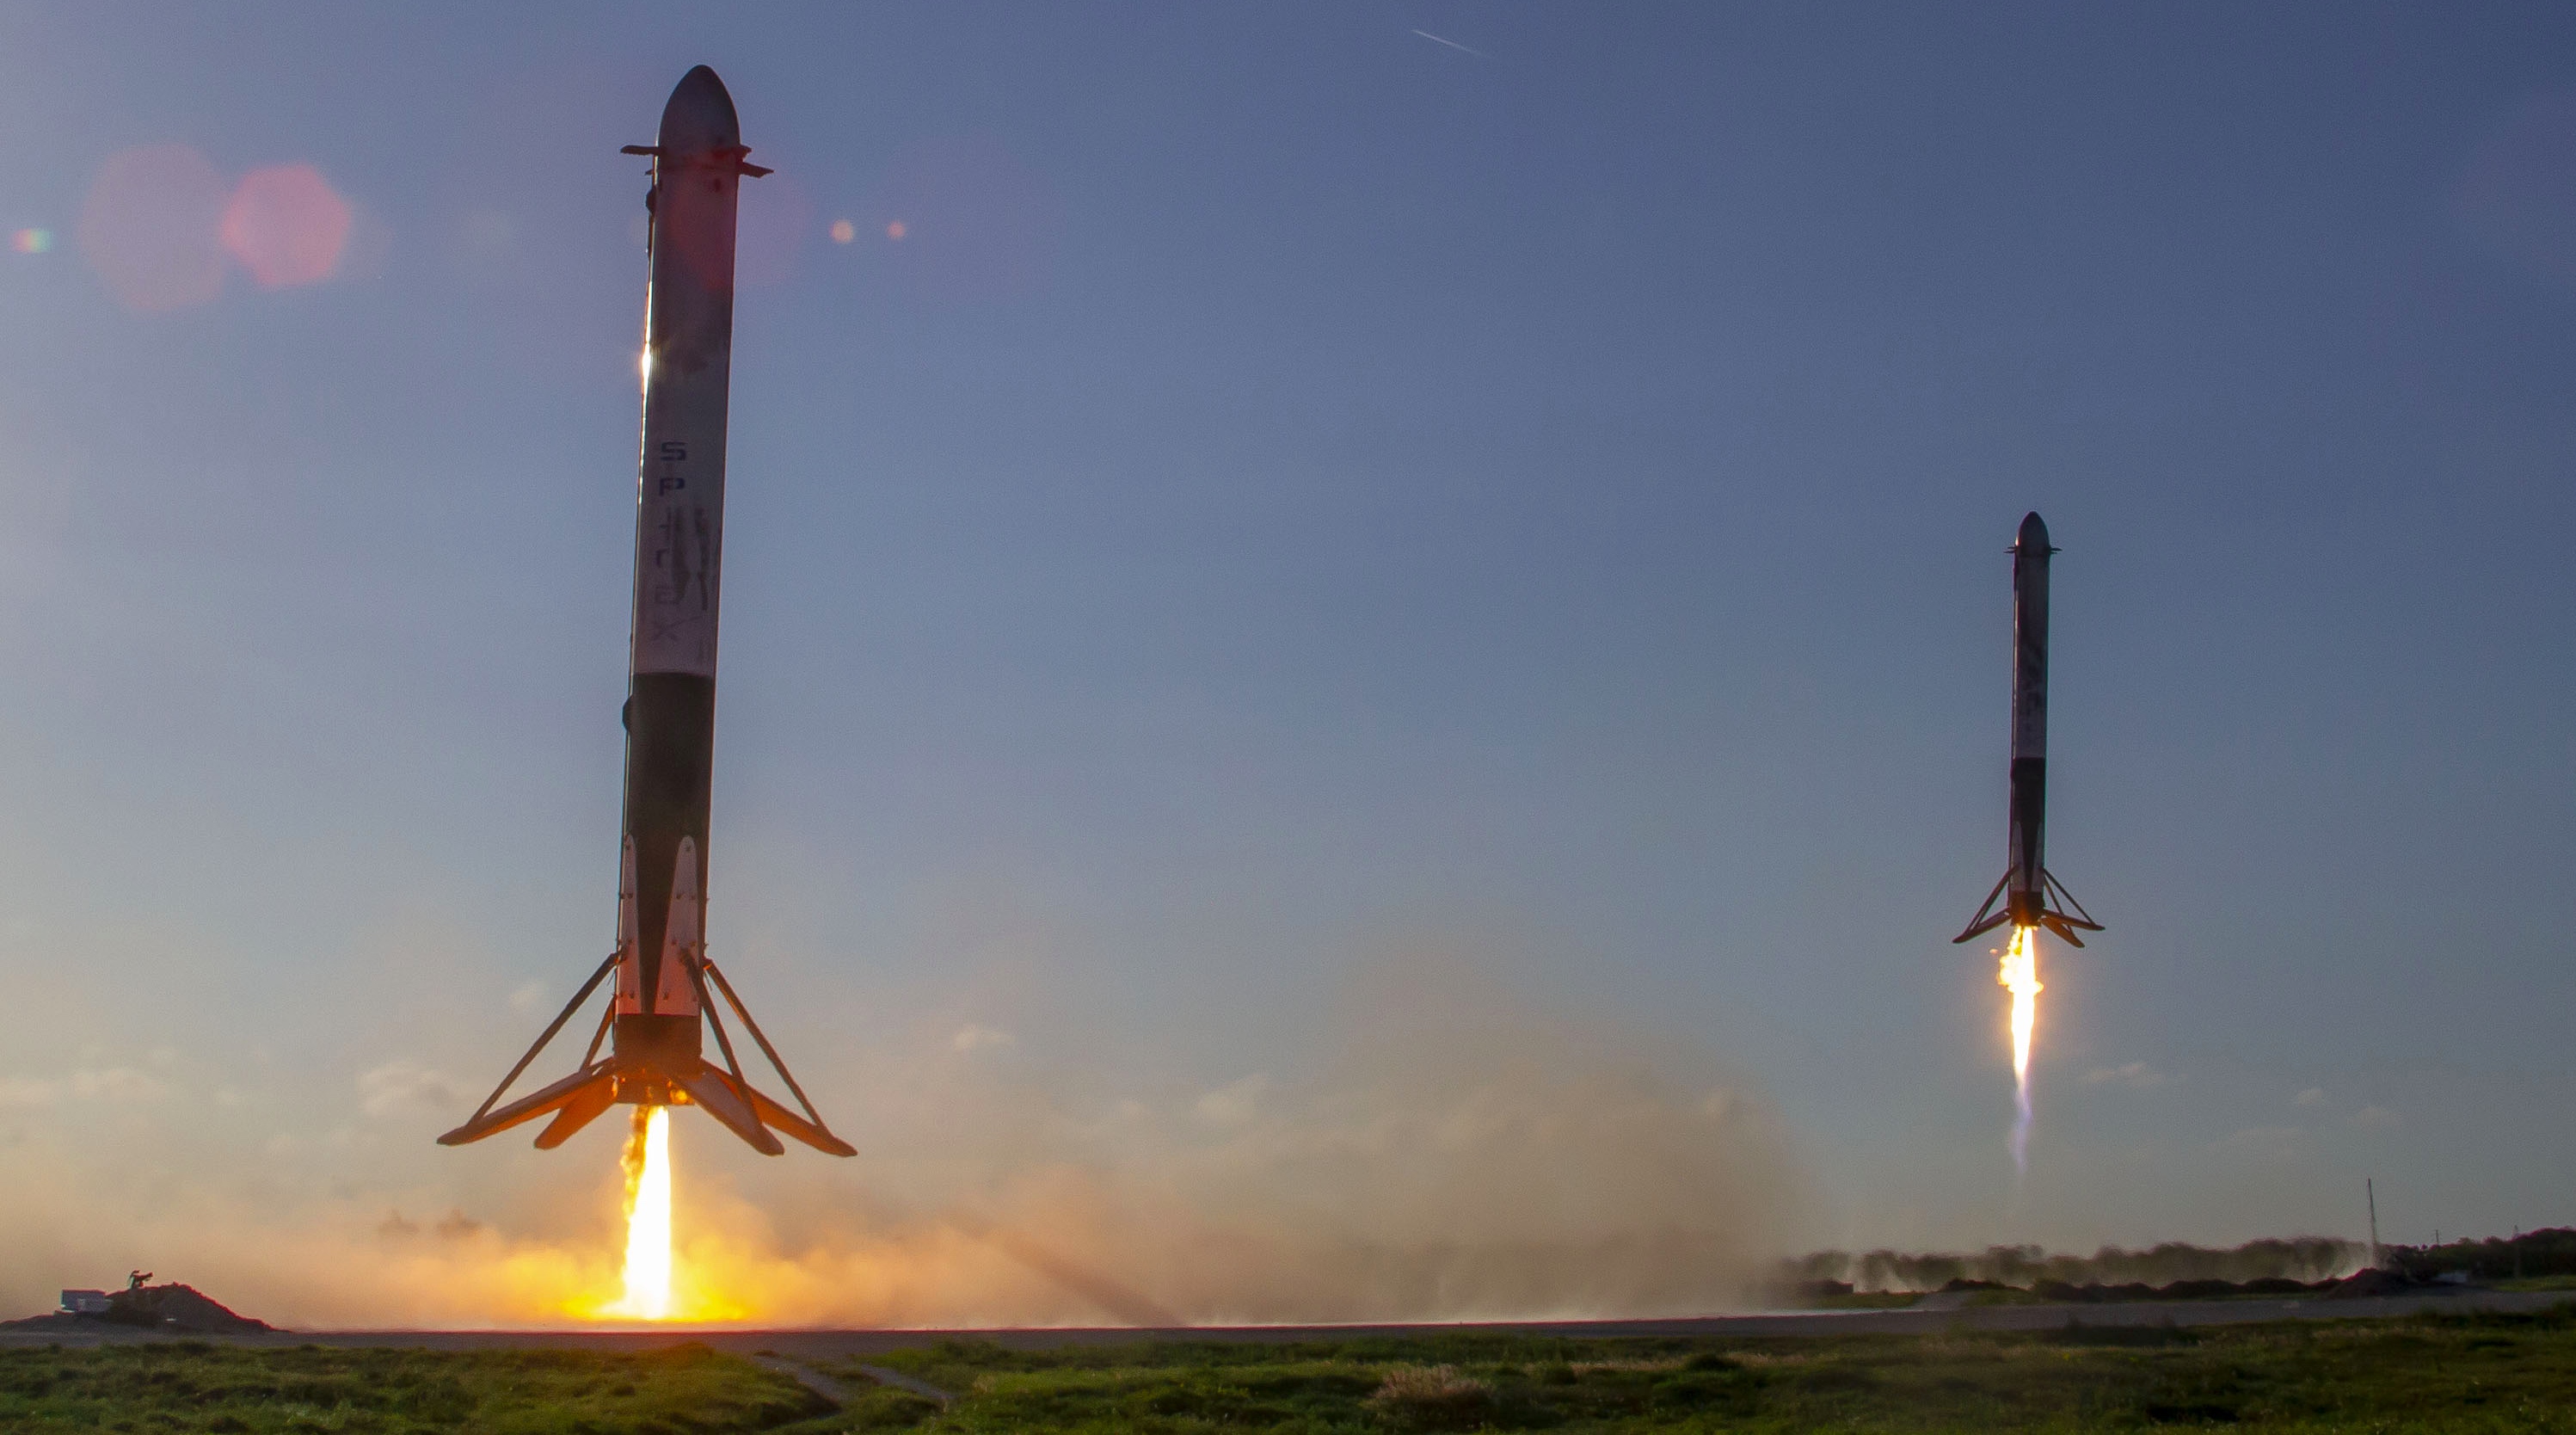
(656, 1284)
(648, 1217)
(2019, 975)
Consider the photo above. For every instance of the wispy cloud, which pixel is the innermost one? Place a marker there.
(2137, 1076)
(2275, 1143)
(401, 1085)
(26, 1091)
(1235, 1103)
(1454, 45)
(113, 1083)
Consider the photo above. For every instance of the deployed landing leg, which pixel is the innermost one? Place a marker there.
(2043, 908)
(725, 1093)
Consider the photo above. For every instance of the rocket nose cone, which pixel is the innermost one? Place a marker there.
(2034, 534)
(699, 116)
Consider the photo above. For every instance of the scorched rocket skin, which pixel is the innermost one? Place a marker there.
(2027, 887)
(663, 1000)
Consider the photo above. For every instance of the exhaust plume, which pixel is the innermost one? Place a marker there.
(2019, 974)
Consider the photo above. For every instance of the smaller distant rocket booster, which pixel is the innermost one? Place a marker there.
(2031, 896)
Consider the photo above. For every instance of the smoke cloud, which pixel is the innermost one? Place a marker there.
(1454, 1153)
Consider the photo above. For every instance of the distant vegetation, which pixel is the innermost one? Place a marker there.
(2173, 1271)
(2533, 1254)
(2305, 1259)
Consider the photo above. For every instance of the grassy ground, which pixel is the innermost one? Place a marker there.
(188, 1386)
(2465, 1374)
(2468, 1374)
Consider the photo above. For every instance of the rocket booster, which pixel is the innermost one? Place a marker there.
(2028, 804)
(663, 999)
(679, 548)
(2031, 896)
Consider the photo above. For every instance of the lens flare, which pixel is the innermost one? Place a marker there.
(2020, 976)
(287, 226)
(152, 228)
(648, 1218)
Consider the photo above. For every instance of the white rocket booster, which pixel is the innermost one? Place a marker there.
(663, 1000)
(2030, 895)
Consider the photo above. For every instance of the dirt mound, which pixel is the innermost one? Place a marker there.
(179, 1308)
(172, 1309)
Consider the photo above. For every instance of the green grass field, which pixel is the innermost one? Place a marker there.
(192, 1386)
(2475, 1373)
(2436, 1373)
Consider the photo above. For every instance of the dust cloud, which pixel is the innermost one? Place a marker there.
(1454, 1153)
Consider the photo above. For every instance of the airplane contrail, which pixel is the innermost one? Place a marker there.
(1452, 44)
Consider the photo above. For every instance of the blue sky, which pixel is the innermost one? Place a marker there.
(1302, 500)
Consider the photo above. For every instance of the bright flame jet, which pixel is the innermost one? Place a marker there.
(2029, 893)
(648, 1219)
(2019, 975)
(664, 997)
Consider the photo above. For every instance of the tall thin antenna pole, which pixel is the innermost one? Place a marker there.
(2378, 1256)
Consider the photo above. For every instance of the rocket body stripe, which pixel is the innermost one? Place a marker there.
(679, 567)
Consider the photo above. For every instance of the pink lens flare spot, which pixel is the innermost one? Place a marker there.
(843, 231)
(287, 226)
(148, 228)
(895, 230)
